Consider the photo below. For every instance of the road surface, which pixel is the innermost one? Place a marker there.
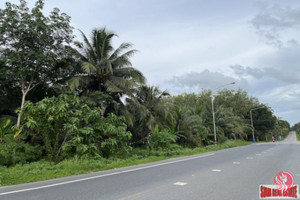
(228, 174)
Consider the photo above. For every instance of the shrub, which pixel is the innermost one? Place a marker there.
(67, 127)
(115, 138)
(161, 139)
(15, 151)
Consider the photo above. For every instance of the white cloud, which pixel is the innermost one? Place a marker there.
(282, 73)
(285, 101)
(196, 81)
(276, 23)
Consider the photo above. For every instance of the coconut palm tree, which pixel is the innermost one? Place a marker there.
(146, 110)
(231, 125)
(189, 125)
(105, 68)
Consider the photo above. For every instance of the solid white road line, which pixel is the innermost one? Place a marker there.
(104, 175)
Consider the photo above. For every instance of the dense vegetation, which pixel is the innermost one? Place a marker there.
(62, 99)
(296, 128)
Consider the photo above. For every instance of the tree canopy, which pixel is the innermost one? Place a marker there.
(32, 45)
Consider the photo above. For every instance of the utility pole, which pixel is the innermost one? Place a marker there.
(213, 110)
(253, 139)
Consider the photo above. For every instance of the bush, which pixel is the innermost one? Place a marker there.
(15, 151)
(66, 127)
(115, 140)
(161, 139)
(222, 139)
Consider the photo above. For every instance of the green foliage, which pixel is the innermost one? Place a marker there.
(296, 128)
(106, 69)
(161, 139)
(239, 101)
(188, 119)
(31, 48)
(9, 93)
(298, 135)
(5, 128)
(30, 42)
(100, 137)
(66, 127)
(116, 138)
(264, 123)
(147, 110)
(100, 100)
(15, 151)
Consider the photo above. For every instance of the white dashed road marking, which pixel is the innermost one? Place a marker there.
(236, 163)
(179, 183)
(216, 170)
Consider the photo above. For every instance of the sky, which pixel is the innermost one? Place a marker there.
(190, 45)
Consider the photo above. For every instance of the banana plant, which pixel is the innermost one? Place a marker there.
(5, 128)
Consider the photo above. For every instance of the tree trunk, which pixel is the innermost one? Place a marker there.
(103, 109)
(148, 142)
(24, 93)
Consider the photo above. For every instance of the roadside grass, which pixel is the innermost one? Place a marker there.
(298, 135)
(44, 170)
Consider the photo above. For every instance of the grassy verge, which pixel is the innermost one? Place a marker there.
(298, 135)
(44, 170)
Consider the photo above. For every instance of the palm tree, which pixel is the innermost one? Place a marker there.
(105, 68)
(230, 125)
(146, 110)
(190, 118)
(189, 125)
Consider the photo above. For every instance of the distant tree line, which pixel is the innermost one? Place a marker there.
(296, 128)
(61, 98)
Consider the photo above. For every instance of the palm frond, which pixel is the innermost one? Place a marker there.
(124, 59)
(89, 52)
(106, 46)
(130, 73)
(111, 87)
(76, 81)
(88, 68)
(119, 50)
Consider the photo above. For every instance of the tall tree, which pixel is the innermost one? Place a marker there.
(9, 94)
(32, 44)
(105, 68)
(146, 110)
(188, 120)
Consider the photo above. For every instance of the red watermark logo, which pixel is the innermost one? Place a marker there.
(284, 180)
(284, 187)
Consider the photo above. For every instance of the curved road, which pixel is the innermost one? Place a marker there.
(228, 174)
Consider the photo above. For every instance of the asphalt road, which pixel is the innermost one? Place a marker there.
(228, 174)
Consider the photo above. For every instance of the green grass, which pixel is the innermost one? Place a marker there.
(44, 170)
(298, 135)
